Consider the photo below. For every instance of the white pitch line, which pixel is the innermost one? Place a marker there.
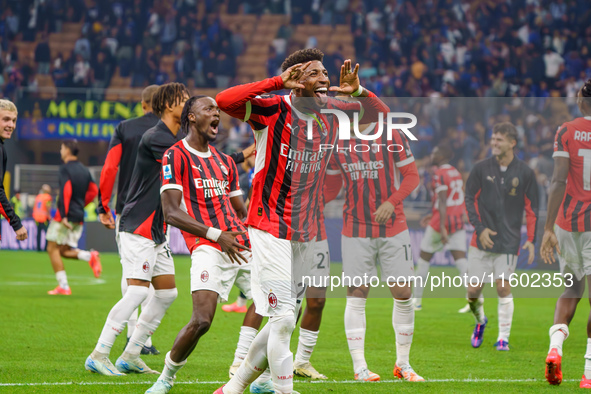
(295, 382)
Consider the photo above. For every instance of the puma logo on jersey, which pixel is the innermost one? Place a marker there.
(491, 178)
(198, 168)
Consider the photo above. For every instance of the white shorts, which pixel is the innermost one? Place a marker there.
(482, 264)
(61, 235)
(211, 269)
(144, 259)
(321, 264)
(431, 241)
(278, 268)
(575, 252)
(361, 257)
(117, 237)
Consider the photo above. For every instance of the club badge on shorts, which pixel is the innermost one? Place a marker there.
(272, 300)
(204, 276)
(146, 266)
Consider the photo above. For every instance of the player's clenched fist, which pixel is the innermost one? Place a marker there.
(21, 234)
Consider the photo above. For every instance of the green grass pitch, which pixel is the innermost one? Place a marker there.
(45, 339)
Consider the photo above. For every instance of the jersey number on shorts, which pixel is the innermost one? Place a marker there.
(407, 251)
(586, 154)
(321, 265)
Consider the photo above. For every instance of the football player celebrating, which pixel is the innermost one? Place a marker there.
(201, 196)
(569, 207)
(286, 189)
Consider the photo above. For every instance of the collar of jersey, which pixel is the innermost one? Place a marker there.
(195, 151)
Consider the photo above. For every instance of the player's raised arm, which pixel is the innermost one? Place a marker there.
(349, 85)
(236, 101)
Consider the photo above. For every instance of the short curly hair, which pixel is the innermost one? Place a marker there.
(302, 56)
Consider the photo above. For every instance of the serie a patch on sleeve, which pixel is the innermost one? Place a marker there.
(167, 172)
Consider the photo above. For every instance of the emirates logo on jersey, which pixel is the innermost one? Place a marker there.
(272, 300)
(146, 266)
(204, 276)
(211, 187)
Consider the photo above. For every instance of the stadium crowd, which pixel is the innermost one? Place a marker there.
(426, 48)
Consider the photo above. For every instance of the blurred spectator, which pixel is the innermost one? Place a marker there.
(43, 55)
(59, 73)
(81, 74)
(82, 47)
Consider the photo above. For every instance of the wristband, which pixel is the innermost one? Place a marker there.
(213, 234)
(358, 91)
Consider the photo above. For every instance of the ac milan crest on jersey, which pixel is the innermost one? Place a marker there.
(272, 300)
(204, 276)
(146, 266)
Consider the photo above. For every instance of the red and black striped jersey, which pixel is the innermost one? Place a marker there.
(5, 207)
(448, 178)
(207, 181)
(121, 155)
(372, 175)
(573, 140)
(289, 167)
(77, 190)
(332, 187)
(142, 212)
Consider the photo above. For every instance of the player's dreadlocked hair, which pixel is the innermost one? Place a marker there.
(507, 129)
(302, 56)
(168, 95)
(185, 115)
